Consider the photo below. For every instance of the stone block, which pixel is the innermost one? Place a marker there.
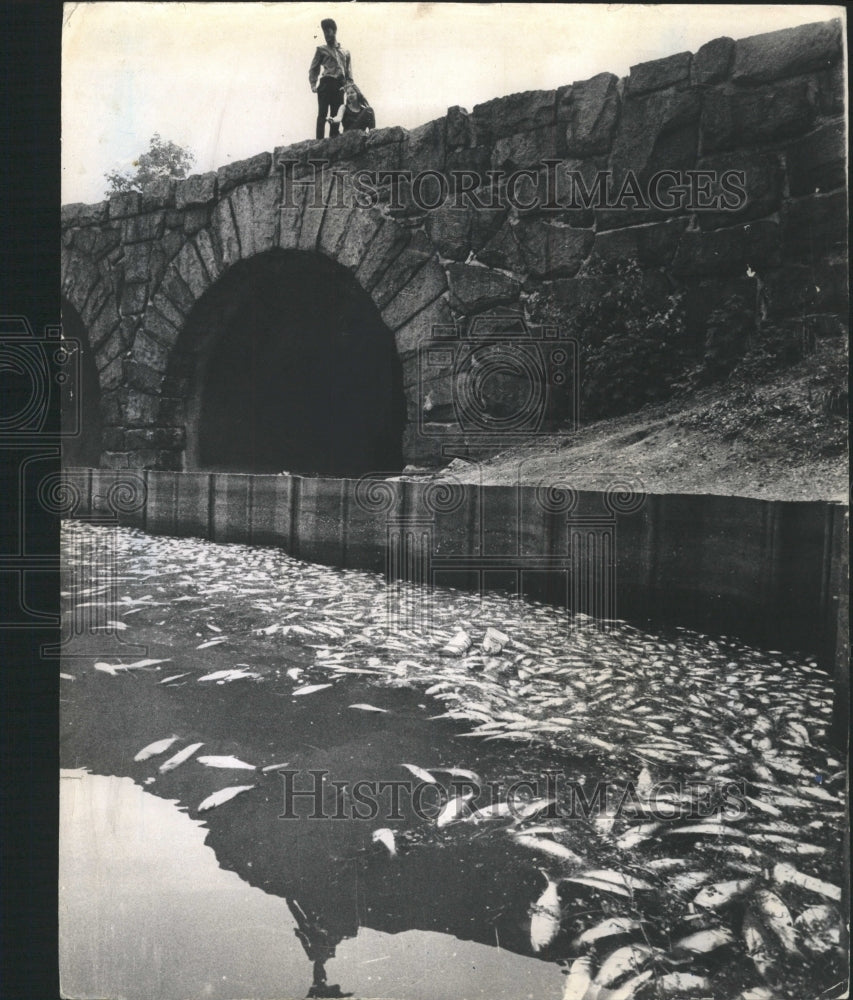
(192, 271)
(657, 131)
(475, 159)
(401, 268)
(139, 376)
(207, 252)
(505, 116)
(763, 182)
(763, 114)
(420, 331)
(255, 208)
(729, 251)
(776, 54)
(198, 189)
(137, 257)
(832, 87)
(336, 223)
(134, 298)
(460, 128)
(424, 148)
(150, 351)
(504, 249)
(364, 225)
(111, 376)
(124, 203)
(817, 162)
(160, 193)
(79, 214)
(659, 73)
(553, 301)
(95, 241)
(474, 288)
(196, 218)
(385, 248)
(712, 61)
(424, 287)
(592, 118)
(242, 172)
(174, 288)
(139, 409)
(449, 230)
(815, 228)
(525, 150)
(142, 228)
(551, 249)
(224, 233)
(651, 245)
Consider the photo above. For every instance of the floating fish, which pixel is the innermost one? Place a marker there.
(546, 917)
(721, 893)
(607, 928)
(226, 676)
(617, 878)
(498, 810)
(705, 941)
(688, 881)
(368, 708)
(674, 983)
(579, 979)
(757, 946)
(776, 917)
(67, 677)
(274, 767)
(548, 847)
(309, 689)
(494, 641)
(223, 795)
(458, 645)
(636, 835)
(630, 958)
(820, 928)
(212, 642)
(180, 757)
(420, 773)
(153, 749)
(459, 772)
(385, 837)
(226, 762)
(454, 810)
(174, 677)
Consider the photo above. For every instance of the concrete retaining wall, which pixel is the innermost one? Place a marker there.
(772, 572)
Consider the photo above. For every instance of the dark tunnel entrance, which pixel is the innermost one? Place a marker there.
(80, 395)
(296, 372)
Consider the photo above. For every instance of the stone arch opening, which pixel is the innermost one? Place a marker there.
(290, 368)
(80, 395)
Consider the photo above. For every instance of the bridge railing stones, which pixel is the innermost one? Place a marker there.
(772, 106)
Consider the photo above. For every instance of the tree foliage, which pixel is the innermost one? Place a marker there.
(163, 159)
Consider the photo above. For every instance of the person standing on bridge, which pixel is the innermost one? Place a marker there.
(331, 70)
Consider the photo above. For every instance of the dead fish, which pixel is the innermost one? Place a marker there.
(174, 677)
(546, 917)
(459, 772)
(757, 946)
(67, 677)
(776, 917)
(636, 835)
(454, 810)
(458, 645)
(708, 830)
(687, 881)
(786, 844)
(226, 676)
(629, 989)
(139, 664)
(705, 941)
(548, 847)
(274, 767)
(369, 708)
(385, 837)
(721, 893)
(420, 773)
(763, 806)
(667, 864)
(681, 982)
(309, 689)
(820, 928)
(607, 928)
(180, 757)
(223, 795)
(527, 809)
(494, 641)
(226, 762)
(630, 958)
(579, 979)
(617, 878)
(212, 642)
(153, 749)
(497, 810)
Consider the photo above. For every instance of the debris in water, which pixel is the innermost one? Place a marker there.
(223, 795)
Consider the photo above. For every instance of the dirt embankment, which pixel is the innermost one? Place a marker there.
(783, 437)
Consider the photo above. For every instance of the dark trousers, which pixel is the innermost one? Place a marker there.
(330, 97)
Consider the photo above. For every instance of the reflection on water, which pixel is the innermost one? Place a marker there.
(146, 911)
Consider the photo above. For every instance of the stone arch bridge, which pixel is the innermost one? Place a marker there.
(263, 317)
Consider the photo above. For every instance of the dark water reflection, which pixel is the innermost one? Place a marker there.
(147, 911)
